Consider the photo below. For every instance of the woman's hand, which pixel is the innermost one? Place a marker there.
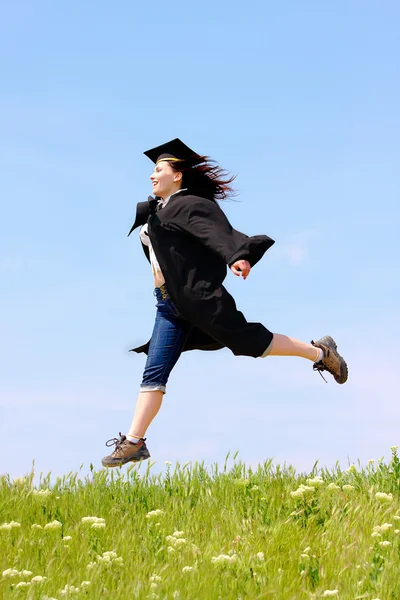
(241, 267)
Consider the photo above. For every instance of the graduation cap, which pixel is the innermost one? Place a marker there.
(174, 151)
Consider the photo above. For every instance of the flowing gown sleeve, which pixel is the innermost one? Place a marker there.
(143, 210)
(207, 222)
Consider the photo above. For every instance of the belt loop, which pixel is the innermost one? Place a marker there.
(162, 291)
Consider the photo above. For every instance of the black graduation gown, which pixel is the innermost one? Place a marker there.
(194, 242)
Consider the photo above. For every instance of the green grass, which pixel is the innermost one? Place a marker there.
(223, 533)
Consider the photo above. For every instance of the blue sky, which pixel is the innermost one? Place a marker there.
(300, 100)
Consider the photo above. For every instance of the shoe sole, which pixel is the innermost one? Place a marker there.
(344, 372)
(120, 463)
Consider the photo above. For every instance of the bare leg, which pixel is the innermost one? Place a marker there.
(147, 406)
(282, 345)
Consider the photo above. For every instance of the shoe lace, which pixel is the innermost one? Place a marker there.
(116, 442)
(320, 367)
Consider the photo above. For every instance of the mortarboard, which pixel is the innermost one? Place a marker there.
(175, 150)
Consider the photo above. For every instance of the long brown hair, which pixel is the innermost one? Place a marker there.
(206, 179)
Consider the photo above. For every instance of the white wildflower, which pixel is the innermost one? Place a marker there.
(371, 460)
(42, 493)
(176, 594)
(394, 448)
(67, 538)
(85, 584)
(36, 526)
(306, 550)
(92, 520)
(260, 556)
(53, 525)
(168, 463)
(155, 578)
(176, 542)
(11, 573)
(97, 525)
(385, 544)
(69, 590)
(154, 513)
(107, 559)
(386, 526)
(171, 550)
(178, 534)
(26, 573)
(315, 481)
(11, 525)
(382, 497)
(302, 490)
(255, 488)
(333, 486)
(396, 518)
(154, 586)
(376, 534)
(179, 542)
(351, 469)
(107, 556)
(38, 579)
(187, 569)
(348, 488)
(223, 559)
(22, 585)
(329, 593)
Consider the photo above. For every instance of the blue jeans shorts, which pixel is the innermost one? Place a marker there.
(167, 340)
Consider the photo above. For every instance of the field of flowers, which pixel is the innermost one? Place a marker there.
(198, 534)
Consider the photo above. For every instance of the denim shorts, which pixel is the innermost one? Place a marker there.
(167, 340)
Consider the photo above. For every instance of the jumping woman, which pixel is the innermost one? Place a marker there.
(189, 243)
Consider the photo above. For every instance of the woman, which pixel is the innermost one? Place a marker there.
(189, 242)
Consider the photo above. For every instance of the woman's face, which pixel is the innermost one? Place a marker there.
(165, 180)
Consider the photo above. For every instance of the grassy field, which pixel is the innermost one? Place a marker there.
(196, 533)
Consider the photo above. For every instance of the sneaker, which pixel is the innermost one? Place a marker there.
(125, 451)
(332, 361)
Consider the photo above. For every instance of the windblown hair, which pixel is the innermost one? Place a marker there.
(206, 179)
